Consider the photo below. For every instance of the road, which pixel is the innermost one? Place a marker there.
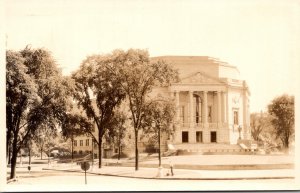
(62, 181)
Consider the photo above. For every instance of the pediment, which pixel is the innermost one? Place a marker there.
(200, 78)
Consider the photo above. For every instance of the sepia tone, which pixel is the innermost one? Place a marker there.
(134, 111)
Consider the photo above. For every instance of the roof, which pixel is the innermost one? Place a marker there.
(192, 60)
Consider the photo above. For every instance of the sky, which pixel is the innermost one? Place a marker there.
(261, 38)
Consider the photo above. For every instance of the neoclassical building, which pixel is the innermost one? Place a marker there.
(212, 102)
(212, 107)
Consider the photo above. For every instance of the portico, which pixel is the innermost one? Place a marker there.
(212, 103)
(200, 115)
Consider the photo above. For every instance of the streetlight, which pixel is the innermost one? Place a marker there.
(160, 168)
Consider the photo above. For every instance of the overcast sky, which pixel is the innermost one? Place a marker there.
(260, 37)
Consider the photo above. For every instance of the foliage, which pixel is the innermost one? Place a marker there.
(259, 122)
(159, 114)
(117, 131)
(98, 93)
(36, 94)
(282, 110)
(137, 77)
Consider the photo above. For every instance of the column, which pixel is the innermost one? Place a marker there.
(177, 105)
(205, 107)
(224, 107)
(219, 107)
(206, 132)
(191, 113)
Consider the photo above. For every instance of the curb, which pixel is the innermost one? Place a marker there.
(179, 178)
(214, 167)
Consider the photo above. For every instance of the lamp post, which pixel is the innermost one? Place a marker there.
(160, 168)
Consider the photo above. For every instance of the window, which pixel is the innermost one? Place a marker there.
(213, 136)
(80, 151)
(75, 152)
(199, 136)
(209, 114)
(182, 114)
(75, 142)
(235, 117)
(185, 136)
(87, 142)
(81, 142)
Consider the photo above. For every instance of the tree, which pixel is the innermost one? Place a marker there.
(20, 96)
(282, 110)
(40, 137)
(36, 93)
(117, 131)
(73, 125)
(259, 122)
(159, 118)
(98, 92)
(137, 76)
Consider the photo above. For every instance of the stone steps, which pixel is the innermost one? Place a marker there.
(209, 149)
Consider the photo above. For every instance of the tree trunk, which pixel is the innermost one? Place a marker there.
(29, 153)
(136, 151)
(9, 155)
(8, 148)
(119, 152)
(14, 158)
(100, 152)
(159, 154)
(119, 148)
(41, 153)
(72, 146)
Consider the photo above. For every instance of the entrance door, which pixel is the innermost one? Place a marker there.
(213, 136)
(185, 136)
(199, 136)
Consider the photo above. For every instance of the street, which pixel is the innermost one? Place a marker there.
(59, 181)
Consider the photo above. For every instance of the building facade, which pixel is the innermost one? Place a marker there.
(212, 102)
(212, 105)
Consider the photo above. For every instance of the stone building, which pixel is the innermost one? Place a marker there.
(212, 105)
(212, 102)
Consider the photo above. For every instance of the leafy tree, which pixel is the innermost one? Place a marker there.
(98, 92)
(40, 137)
(282, 110)
(259, 122)
(137, 76)
(74, 125)
(36, 93)
(117, 131)
(20, 96)
(159, 118)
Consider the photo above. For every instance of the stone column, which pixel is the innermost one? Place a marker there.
(205, 107)
(177, 105)
(206, 132)
(219, 107)
(224, 107)
(177, 119)
(191, 113)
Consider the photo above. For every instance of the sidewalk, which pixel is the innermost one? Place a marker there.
(182, 174)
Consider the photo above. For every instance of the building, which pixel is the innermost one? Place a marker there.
(212, 101)
(212, 104)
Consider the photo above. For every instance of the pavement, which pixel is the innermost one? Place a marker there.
(194, 167)
(181, 174)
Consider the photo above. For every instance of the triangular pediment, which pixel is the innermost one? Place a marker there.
(200, 78)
